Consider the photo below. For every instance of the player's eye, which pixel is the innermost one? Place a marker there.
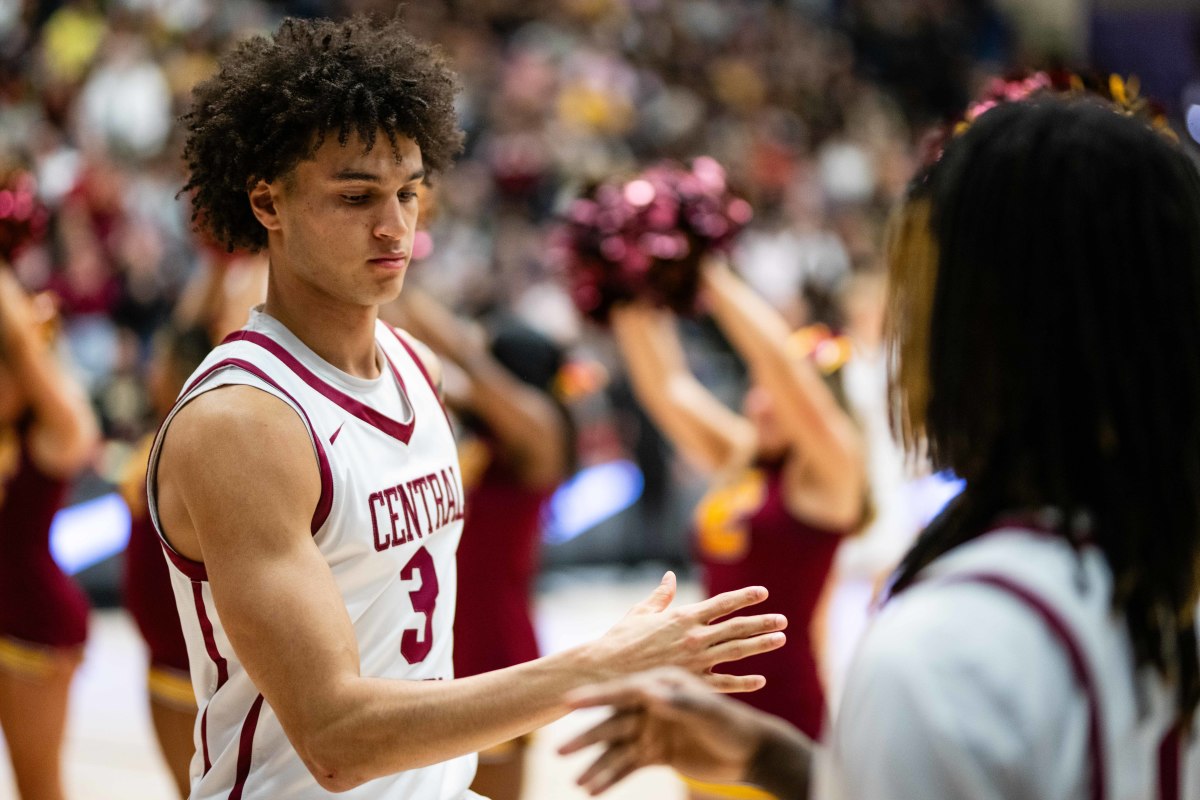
(406, 196)
(355, 199)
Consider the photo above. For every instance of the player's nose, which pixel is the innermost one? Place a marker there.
(392, 222)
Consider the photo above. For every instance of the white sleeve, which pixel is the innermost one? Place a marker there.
(959, 691)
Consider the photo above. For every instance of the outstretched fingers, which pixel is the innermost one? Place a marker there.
(614, 764)
(726, 603)
(744, 628)
(726, 684)
(620, 727)
(660, 598)
(737, 649)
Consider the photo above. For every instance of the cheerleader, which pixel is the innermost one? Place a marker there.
(789, 473)
(48, 435)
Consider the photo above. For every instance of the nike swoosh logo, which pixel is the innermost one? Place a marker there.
(333, 438)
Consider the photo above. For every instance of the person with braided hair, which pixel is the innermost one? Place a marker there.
(1040, 638)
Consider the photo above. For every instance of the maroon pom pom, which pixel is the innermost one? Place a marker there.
(23, 218)
(646, 237)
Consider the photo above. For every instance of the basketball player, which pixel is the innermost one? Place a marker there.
(517, 446)
(306, 486)
(48, 435)
(1040, 641)
(146, 585)
(788, 475)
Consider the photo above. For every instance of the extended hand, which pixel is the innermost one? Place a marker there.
(653, 635)
(668, 717)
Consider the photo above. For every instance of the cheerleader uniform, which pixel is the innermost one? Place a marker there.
(40, 607)
(746, 536)
(497, 564)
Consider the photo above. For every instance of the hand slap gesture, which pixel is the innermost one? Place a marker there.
(669, 717)
(654, 635)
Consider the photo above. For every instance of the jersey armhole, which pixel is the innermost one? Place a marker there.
(195, 570)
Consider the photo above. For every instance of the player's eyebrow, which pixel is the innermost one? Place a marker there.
(370, 177)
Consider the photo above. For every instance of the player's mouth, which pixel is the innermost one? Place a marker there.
(395, 261)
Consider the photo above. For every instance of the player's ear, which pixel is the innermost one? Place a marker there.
(262, 202)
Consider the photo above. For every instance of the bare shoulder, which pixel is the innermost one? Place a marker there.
(238, 421)
(231, 456)
(428, 359)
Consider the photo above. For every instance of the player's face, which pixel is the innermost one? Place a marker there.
(346, 219)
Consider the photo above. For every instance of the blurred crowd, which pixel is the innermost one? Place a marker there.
(813, 106)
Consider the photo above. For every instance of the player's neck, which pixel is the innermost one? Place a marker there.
(342, 334)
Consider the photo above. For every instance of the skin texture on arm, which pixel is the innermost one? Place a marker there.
(711, 436)
(526, 423)
(826, 478)
(65, 433)
(669, 717)
(237, 485)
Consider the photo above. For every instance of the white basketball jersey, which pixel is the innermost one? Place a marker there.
(1004, 673)
(388, 524)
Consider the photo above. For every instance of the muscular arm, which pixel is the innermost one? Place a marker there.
(820, 432)
(237, 485)
(65, 432)
(524, 420)
(705, 431)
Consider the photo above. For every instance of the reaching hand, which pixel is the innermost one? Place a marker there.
(653, 635)
(670, 717)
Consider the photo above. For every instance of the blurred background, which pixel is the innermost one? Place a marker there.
(816, 108)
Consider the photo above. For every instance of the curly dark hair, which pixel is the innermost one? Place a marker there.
(274, 100)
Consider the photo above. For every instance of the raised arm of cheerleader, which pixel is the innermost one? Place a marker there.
(65, 433)
(822, 434)
(708, 434)
(524, 420)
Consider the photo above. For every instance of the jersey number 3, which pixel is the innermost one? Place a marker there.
(415, 644)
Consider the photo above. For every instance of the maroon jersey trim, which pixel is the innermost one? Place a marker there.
(210, 642)
(1079, 666)
(401, 431)
(210, 645)
(1169, 773)
(195, 569)
(204, 740)
(421, 366)
(246, 748)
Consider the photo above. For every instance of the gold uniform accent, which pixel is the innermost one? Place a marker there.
(171, 688)
(25, 658)
(10, 457)
(131, 484)
(474, 457)
(723, 517)
(734, 791)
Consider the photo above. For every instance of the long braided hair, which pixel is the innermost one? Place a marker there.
(1052, 356)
